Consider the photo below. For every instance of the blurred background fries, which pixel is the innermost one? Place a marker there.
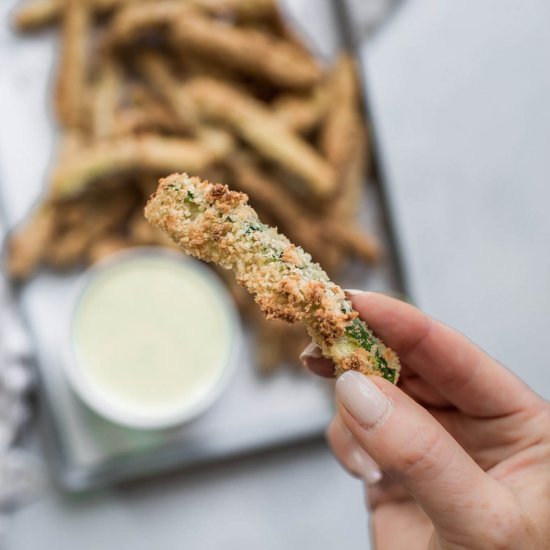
(223, 89)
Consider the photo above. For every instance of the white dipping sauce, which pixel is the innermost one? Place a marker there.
(152, 337)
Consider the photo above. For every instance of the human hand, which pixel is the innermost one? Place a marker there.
(458, 455)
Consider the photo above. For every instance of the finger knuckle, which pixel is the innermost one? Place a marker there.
(510, 528)
(422, 454)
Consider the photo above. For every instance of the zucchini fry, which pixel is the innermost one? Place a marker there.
(240, 9)
(71, 88)
(127, 154)
(27, 244)
(247, 50)
(216, 225)
(302, 113)
(41, 13)
(146, 118)
(132, 21)
(343, 137)
(107, 93)
(158, 74)
(181, 104)
(101, 215)
(361, 244)
(68, 250)
(354, 173)
(257, 125)
(144, 112)
(338, 130)
(136, 18)
(37, 14)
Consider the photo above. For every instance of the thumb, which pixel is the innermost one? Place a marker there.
(414, 449)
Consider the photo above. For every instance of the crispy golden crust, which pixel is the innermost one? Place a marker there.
(215, 224)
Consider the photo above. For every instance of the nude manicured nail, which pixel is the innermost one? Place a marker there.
(311, 351)
(362, 399)
(365, 467)
(353, 291)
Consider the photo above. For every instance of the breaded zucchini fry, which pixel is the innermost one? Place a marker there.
(216, 225)
(354, 173)
(343, 138)
(302, 113)
(182, 104)
(160, 77)
(144, 112)
(338, 132)
(146, 118)
(247, 50)
(257, 125)
(134, 19)
(131, 21)
(145, 152)
(71, 89)
(107, 93)
(100, 216)
(38, 13)
(27, 244)
(361, 244)
(240, 9)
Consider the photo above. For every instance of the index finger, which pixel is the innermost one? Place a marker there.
(444, 358)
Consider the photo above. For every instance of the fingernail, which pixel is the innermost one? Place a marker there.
(365, 467)
(311, 351)
(353, 291)
(362, 399)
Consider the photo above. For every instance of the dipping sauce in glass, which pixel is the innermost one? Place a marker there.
(153, 339)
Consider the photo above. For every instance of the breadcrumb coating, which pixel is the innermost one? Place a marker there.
(215, 224)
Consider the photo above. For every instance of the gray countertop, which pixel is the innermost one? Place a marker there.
(461, 92)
